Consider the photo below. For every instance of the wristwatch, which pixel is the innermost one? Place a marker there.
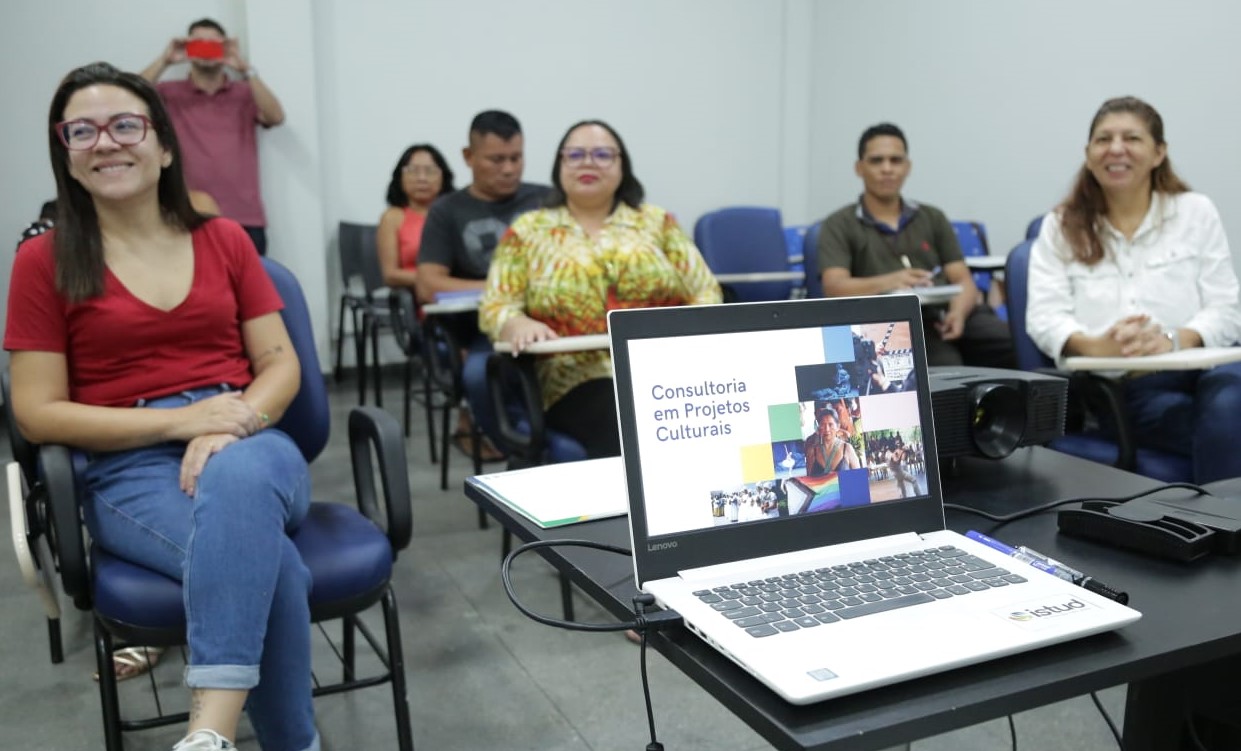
(1174, 339)
(251, 72)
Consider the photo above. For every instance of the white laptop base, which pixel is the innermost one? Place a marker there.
(846, 656)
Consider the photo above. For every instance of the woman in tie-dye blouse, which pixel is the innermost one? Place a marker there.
(559, 270)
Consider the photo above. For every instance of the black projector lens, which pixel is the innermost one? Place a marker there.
(998, 419)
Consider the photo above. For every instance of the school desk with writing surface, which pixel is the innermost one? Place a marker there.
(1189, 636)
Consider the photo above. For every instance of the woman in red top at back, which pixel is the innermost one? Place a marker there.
(421, 175)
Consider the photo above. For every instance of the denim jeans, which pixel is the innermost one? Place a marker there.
(1192, 413)
(245, 586)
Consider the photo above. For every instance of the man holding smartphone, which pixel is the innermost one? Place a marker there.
(215, 117)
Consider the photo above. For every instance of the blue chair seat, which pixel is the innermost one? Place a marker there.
(349, 558)
(1158, 465)
(135, 597)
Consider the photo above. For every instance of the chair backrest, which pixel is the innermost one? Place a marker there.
(1032, 229)
(810, 259)
(308, 419)
(1017, 274)
(745, 240)
(972, 236)
(359, 255)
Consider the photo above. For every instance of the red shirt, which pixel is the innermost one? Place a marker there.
(219, 145)
(120, 349)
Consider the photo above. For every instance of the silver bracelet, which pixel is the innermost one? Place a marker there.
(1175, 339)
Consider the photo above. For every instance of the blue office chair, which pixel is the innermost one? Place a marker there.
(972, 237)
(745, 240)
(810, 260)
(1086, 391)
(794, 244)
(1033, 228)
(349, 552)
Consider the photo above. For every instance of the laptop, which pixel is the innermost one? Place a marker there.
(784, 498)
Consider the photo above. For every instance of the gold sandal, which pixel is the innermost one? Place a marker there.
(131, 662)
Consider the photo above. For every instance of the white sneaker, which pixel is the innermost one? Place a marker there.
(203, 740)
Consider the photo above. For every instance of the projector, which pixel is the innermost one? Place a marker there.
(990, 411)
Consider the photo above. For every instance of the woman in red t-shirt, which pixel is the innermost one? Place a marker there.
(421, 176)
(149, 336)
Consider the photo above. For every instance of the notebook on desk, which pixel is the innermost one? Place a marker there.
(784, 498)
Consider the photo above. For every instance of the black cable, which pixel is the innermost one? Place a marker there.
(1012, 731)
(639, 605)
(642, 623)
(1108, 719)
(1002, 519)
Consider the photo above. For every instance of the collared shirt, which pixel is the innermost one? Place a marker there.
(851, 238)
(1177, 269)
(219, 144)
(548, 268)
(908, 209)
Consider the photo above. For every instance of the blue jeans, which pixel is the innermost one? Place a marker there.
(1191, 413)
(245, 586)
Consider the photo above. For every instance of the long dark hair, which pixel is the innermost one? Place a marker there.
(78, 243)
(396, 194)
(1086, 205)
(630, 191)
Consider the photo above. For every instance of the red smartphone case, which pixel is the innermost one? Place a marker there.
(204, 49)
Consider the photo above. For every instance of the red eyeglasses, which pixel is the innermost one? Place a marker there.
(125, 129)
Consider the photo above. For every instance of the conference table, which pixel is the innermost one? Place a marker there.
(1186, 648)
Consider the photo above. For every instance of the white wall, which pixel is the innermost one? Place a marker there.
(721, 102)
(996, 97)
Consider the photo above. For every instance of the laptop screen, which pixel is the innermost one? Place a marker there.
(747, 429)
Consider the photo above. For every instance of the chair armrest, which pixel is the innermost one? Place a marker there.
(1102, 396)
(376, 444)
(513, 384)
(404, 314)
(1106, 396)
(65, 520)
(442, 354)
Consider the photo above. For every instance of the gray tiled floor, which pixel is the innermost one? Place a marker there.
(481, 675)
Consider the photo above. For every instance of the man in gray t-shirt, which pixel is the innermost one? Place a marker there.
(462, 231)
(463, 228)
(460, 237)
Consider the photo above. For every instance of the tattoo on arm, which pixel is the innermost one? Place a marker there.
(268, 353)
(196, 705)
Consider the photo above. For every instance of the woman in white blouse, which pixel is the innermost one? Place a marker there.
(1134, 263)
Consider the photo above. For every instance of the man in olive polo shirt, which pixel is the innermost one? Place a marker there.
(885, 243)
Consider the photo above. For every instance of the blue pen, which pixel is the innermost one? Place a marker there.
(1055, 568)
(1084, 581)
(1012, 552)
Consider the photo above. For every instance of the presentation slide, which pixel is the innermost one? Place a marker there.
(743, 427)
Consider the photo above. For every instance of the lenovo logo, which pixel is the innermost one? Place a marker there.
(656, 547)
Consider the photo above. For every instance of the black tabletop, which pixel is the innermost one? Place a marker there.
(1191, 615)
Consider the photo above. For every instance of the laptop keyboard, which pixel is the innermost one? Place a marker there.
(812, 598)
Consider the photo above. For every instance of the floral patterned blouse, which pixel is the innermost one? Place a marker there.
(548, 268)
